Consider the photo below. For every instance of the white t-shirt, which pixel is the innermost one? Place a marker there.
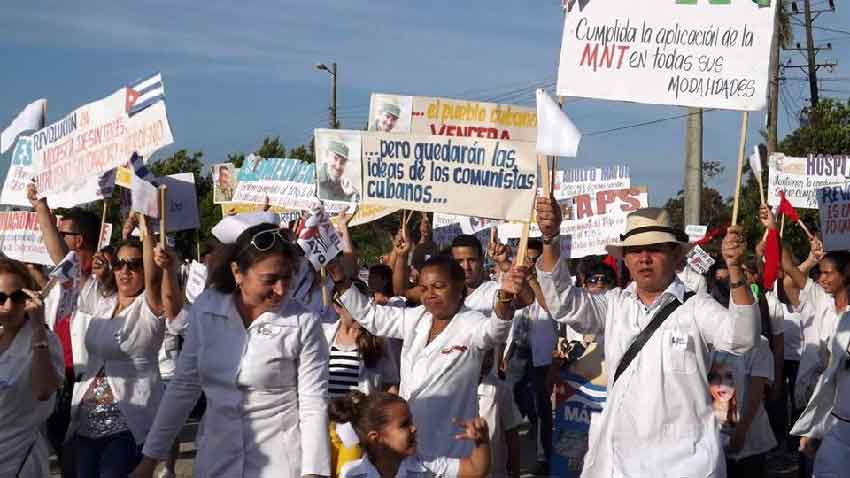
(727, 368)
(776, 312)
(413, 466)
(21, 415)
(496, 405)
(693, 280)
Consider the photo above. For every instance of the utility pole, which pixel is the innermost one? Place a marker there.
(332, 122)
(810, 47)
(811, 67)
(773, 92)
(693, 167)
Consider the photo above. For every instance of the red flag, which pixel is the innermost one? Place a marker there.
(771, 258)
(786, 208)
(710, 235)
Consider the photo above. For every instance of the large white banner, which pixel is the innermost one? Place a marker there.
(699, 53)
(20, 174)
(21, 238)
(801, 178)
(96, 138)
(471, 177)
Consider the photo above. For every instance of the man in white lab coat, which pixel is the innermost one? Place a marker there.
(658, 421)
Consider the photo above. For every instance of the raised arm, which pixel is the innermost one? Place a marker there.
(476, 464)
(170, 294)
(576, 307)
(349, 260)
(380, 320)
(402, 246)
(53, 241)
(46, 368)
(153, 274)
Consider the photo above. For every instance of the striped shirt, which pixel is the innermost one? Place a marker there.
(343, 372)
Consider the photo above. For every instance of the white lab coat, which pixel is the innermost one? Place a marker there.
(658, 421)
(21, 415)
(266, 389)
(439, 380)
(818, 421)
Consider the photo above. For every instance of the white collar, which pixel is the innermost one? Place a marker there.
(676, 289)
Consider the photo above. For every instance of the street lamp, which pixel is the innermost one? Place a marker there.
(331, 71)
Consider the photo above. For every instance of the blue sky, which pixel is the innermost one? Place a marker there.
(236, 72)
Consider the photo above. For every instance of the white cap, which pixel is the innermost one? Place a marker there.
(228, 229)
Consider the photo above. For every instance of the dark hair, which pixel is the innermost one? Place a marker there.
(603, 269)
(841, 261)
(109, 286)
(384, 272)
(17, 268)
(245, 256)
(448, 265)
(465, 240)
(536, 244)
(365, 412)
(88, 223)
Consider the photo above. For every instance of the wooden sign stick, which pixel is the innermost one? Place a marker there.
(162, 208)
(323, 274)
(742, 143)
(100, 244)
(782, 226)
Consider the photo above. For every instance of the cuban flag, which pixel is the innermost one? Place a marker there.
(144, 93)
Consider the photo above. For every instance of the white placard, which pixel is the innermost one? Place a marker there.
(573, 182)
(196, 282)
(699, 260)
(699, 53)
(22, 239)
(834, 205)
(319, 239)
(695, 232)
(801, 178)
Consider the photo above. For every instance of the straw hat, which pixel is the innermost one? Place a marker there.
(650, 225)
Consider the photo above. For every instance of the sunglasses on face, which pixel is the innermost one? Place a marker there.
(597, 280)
(100, 262)
(265, 240)
(135, 264)
(18, 297)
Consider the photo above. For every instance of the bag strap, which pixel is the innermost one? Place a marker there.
(646, 334)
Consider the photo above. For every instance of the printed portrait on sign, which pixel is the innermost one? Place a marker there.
(390, 113)
(224, 182)
(338, 170)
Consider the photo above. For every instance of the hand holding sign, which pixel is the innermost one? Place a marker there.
(318, 238)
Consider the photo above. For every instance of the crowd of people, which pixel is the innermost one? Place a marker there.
(433, 362)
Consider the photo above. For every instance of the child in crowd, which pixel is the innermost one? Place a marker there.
(384, 427)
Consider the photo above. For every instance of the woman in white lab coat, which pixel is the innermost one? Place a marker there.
(31, 370)
(261, 360)
(444, 343)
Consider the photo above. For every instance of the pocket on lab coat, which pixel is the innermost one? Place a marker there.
(678, 352)
(271, 356)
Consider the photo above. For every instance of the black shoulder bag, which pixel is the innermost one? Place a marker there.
(645, 334)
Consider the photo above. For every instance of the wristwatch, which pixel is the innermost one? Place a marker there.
(504, 297)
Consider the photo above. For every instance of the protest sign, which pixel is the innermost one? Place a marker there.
(695, 232)
(224, 182)
(22, 239)
(368, 213)
(181, 202)
(834, 205)
(594, 221)
(196, 282)
(144, 197)
(338, 165)
(20, 174)
(319, 239)
(441, 174)
(422, 115)
(285, 182)
(573, 182)
(698, 53)
(95, 138)
(699, 260)
(468, 225)
(105, 235)
(801, 178)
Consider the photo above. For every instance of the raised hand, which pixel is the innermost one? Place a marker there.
(768, 220)
(164, 257)
(548, 217)
(474, 430)
(734, 246)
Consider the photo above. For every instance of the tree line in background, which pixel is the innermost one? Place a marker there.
(829, 135)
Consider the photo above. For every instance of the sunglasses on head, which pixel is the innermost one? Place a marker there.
(265, 240)
(18, 297)
(135, 264)
(100, 262)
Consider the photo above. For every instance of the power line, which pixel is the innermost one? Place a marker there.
(647, 123)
